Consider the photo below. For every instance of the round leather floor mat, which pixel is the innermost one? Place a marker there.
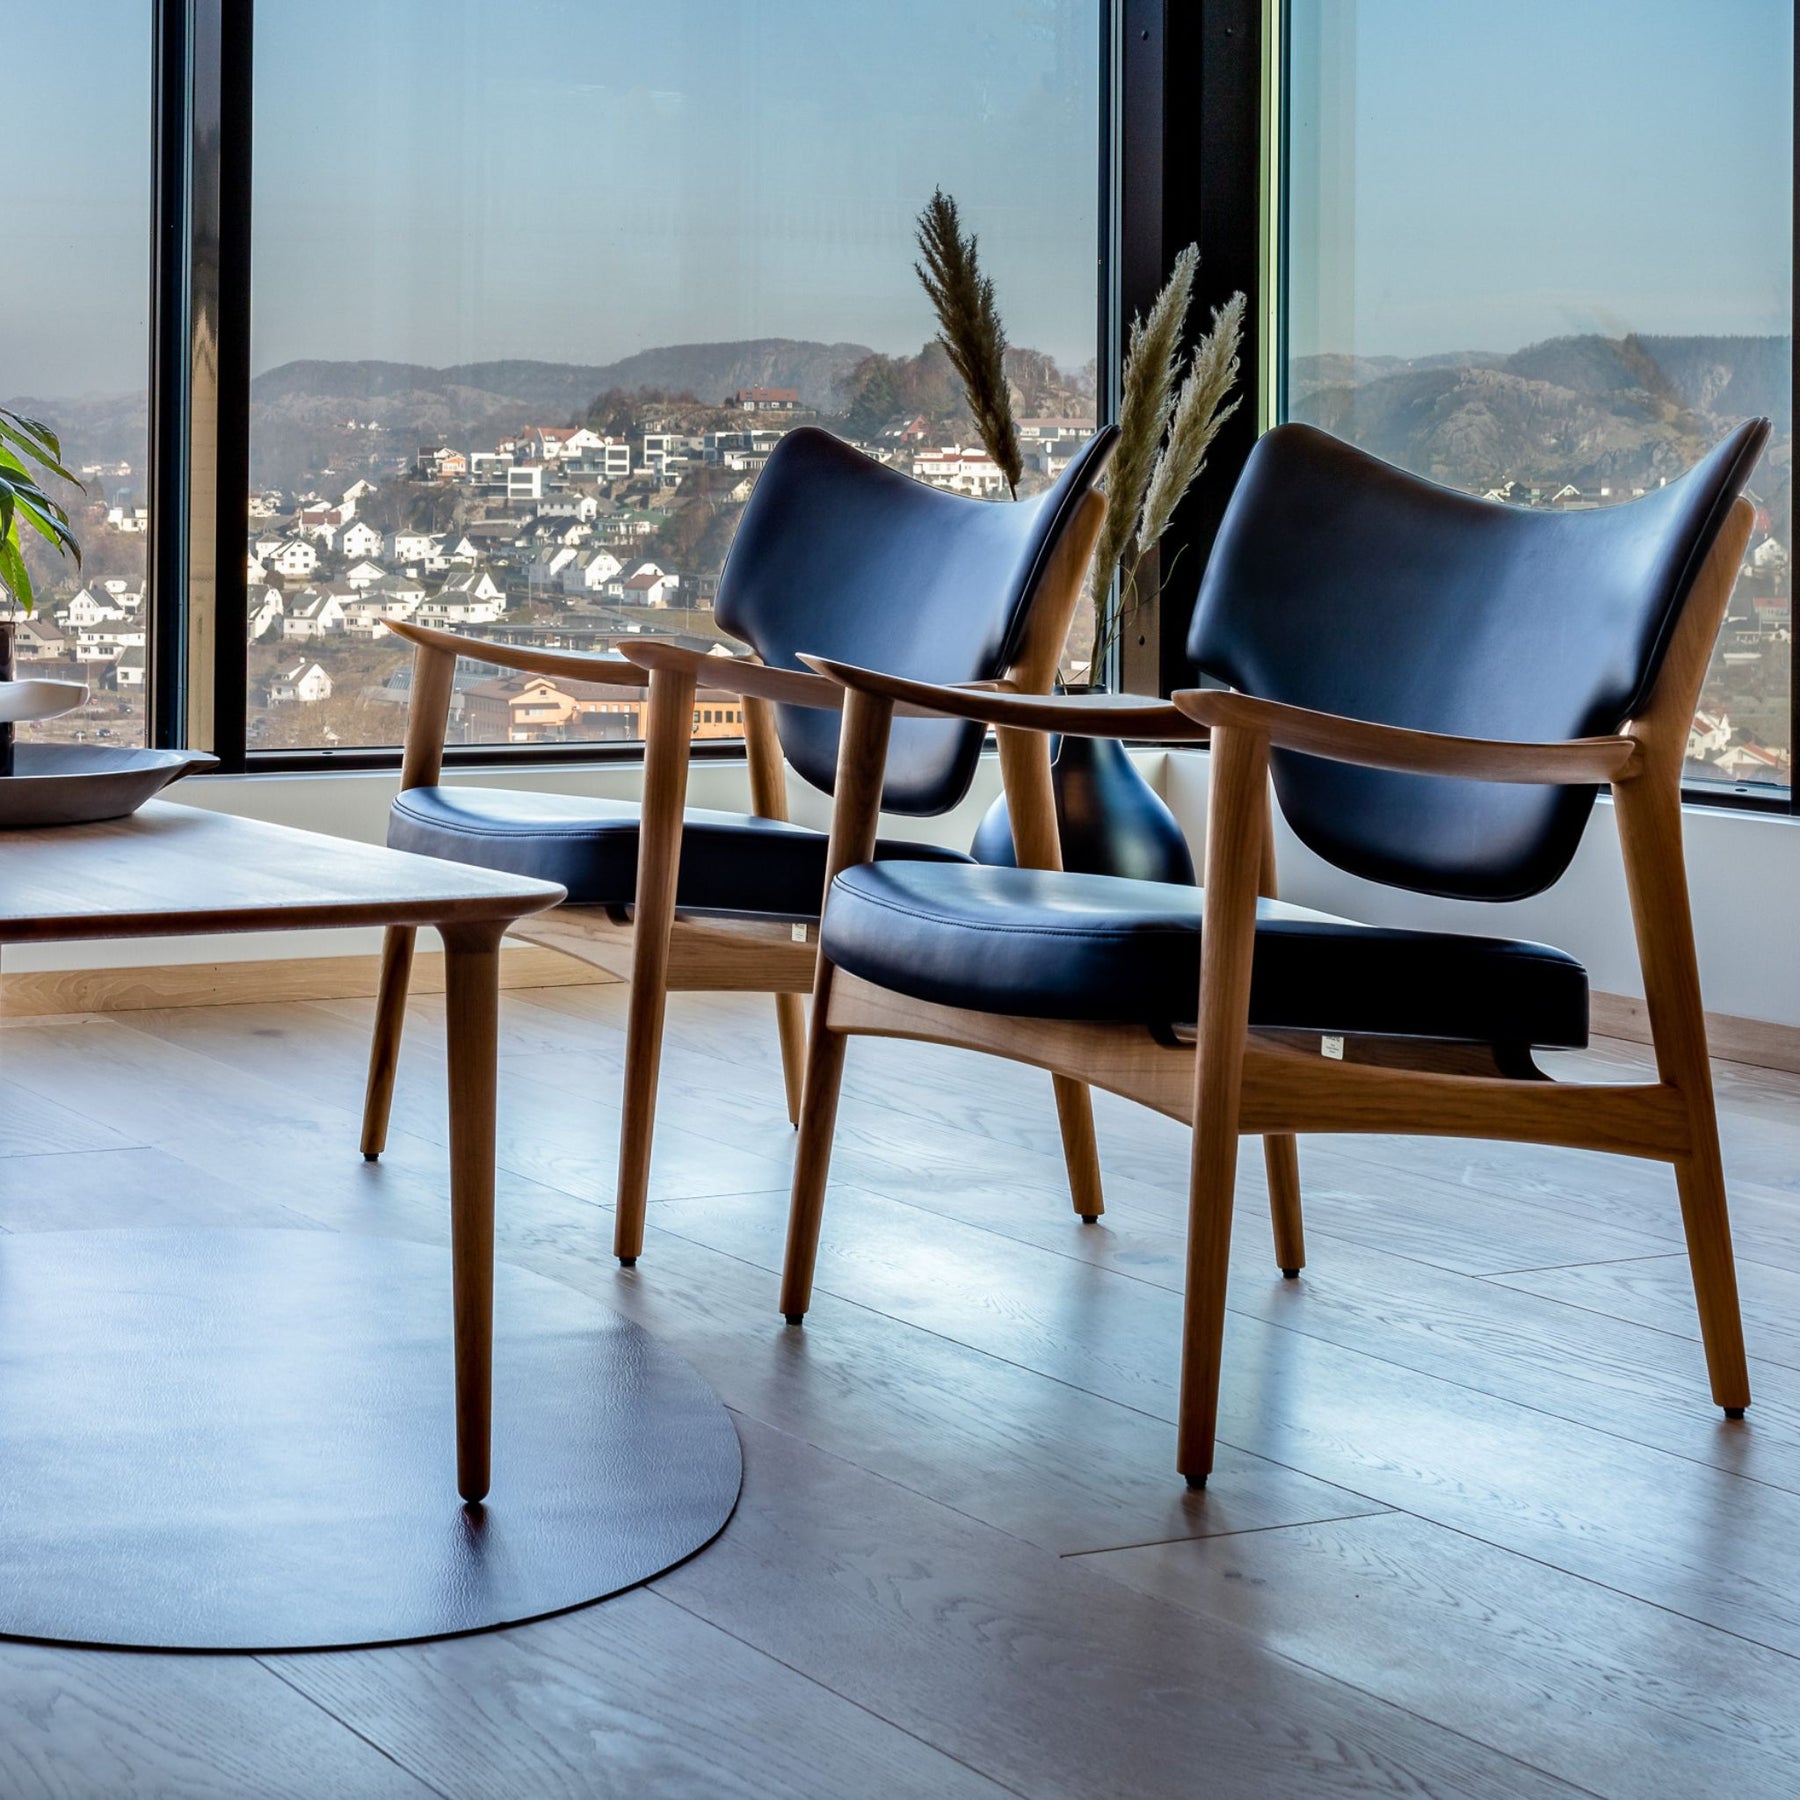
(245, 1440)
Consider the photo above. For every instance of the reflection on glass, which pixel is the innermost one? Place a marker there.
(74, 339)
(1542, 252)
(537, 288)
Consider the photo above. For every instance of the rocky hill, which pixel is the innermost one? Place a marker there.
(707, 371)
(1595, 411)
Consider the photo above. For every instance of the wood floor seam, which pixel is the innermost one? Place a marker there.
(362, 1737)
(655, 1587)
(1219, 1537)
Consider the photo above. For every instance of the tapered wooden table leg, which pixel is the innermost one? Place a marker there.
(384, 1049)
(472, 977)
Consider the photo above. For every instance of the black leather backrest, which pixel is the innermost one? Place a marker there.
(1341, 583)
(838, 555)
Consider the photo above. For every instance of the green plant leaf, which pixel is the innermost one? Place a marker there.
(38, 451)
(35, 428)
(14, 573)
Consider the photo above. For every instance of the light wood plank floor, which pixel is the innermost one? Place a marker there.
(1476, 1531)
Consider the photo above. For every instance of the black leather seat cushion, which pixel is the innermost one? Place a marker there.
(1060, 946)
(730, 863)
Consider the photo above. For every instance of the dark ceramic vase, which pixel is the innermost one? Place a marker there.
(1111, 820)
(6, 674)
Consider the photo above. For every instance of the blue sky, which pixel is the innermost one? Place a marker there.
(1517, 171)
(442, 181)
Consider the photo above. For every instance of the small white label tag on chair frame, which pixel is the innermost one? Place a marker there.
(799, 934)
(1332, 1047)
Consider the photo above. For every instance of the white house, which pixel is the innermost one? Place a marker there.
(477, 584)
(359, 539)
(295, 558)
(444, 553)
(546, 443)
(961, 471)
(312, 615)
(1708, 735)
(590, 572)
(415, 546)
(609, 458)
(89, 608)
(265, 611)
(547, 566)
(357, 490)
(364, 617)
(455, 609)
(321, 523)
(471, 599)
(108, 640)
(364, 574)
(305, 684)
(128, 518)
(133, 664)
(650, 587)
(399, 594)
(525, 481)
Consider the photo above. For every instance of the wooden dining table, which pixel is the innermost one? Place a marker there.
(177, 871)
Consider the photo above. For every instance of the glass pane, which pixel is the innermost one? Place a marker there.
(75, 343)
(1544, 252)
(532, 302)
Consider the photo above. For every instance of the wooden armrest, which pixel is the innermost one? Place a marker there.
(1127, 716)
(1576, 762)
(577, 665)
(739, 675)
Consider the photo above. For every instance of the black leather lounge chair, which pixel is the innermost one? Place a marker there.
(835, 552)
(1437, 686)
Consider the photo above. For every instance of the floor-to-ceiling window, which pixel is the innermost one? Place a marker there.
(74, 337)
(536, 287)
(1544, 252)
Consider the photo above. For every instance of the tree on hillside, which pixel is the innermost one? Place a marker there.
(619, 412)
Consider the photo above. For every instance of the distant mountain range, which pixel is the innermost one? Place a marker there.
(1592, 410)
(707, 371)
(1595, 411)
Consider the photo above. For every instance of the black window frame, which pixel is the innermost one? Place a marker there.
(200, 381)
(1190, 123)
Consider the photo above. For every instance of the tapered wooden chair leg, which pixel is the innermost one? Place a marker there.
(1701, 1180)
(1281, 1157)
(1214, 1178)
(1081, 1149)
(1237, 820)
(384, 1050)
(790, 1020)
(667, 735)
(812, 1157)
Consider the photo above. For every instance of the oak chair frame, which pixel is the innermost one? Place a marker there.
(1232, 1079)
(658, 949)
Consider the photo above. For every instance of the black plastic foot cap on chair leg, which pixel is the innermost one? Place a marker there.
(1090, 1218)
(1734, 1412)
(795, 1318)
(1196, 1483)
(627, 1262)
(1290, 1274)
(371, 1156)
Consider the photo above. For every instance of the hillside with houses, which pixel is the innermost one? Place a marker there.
(582, 506)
